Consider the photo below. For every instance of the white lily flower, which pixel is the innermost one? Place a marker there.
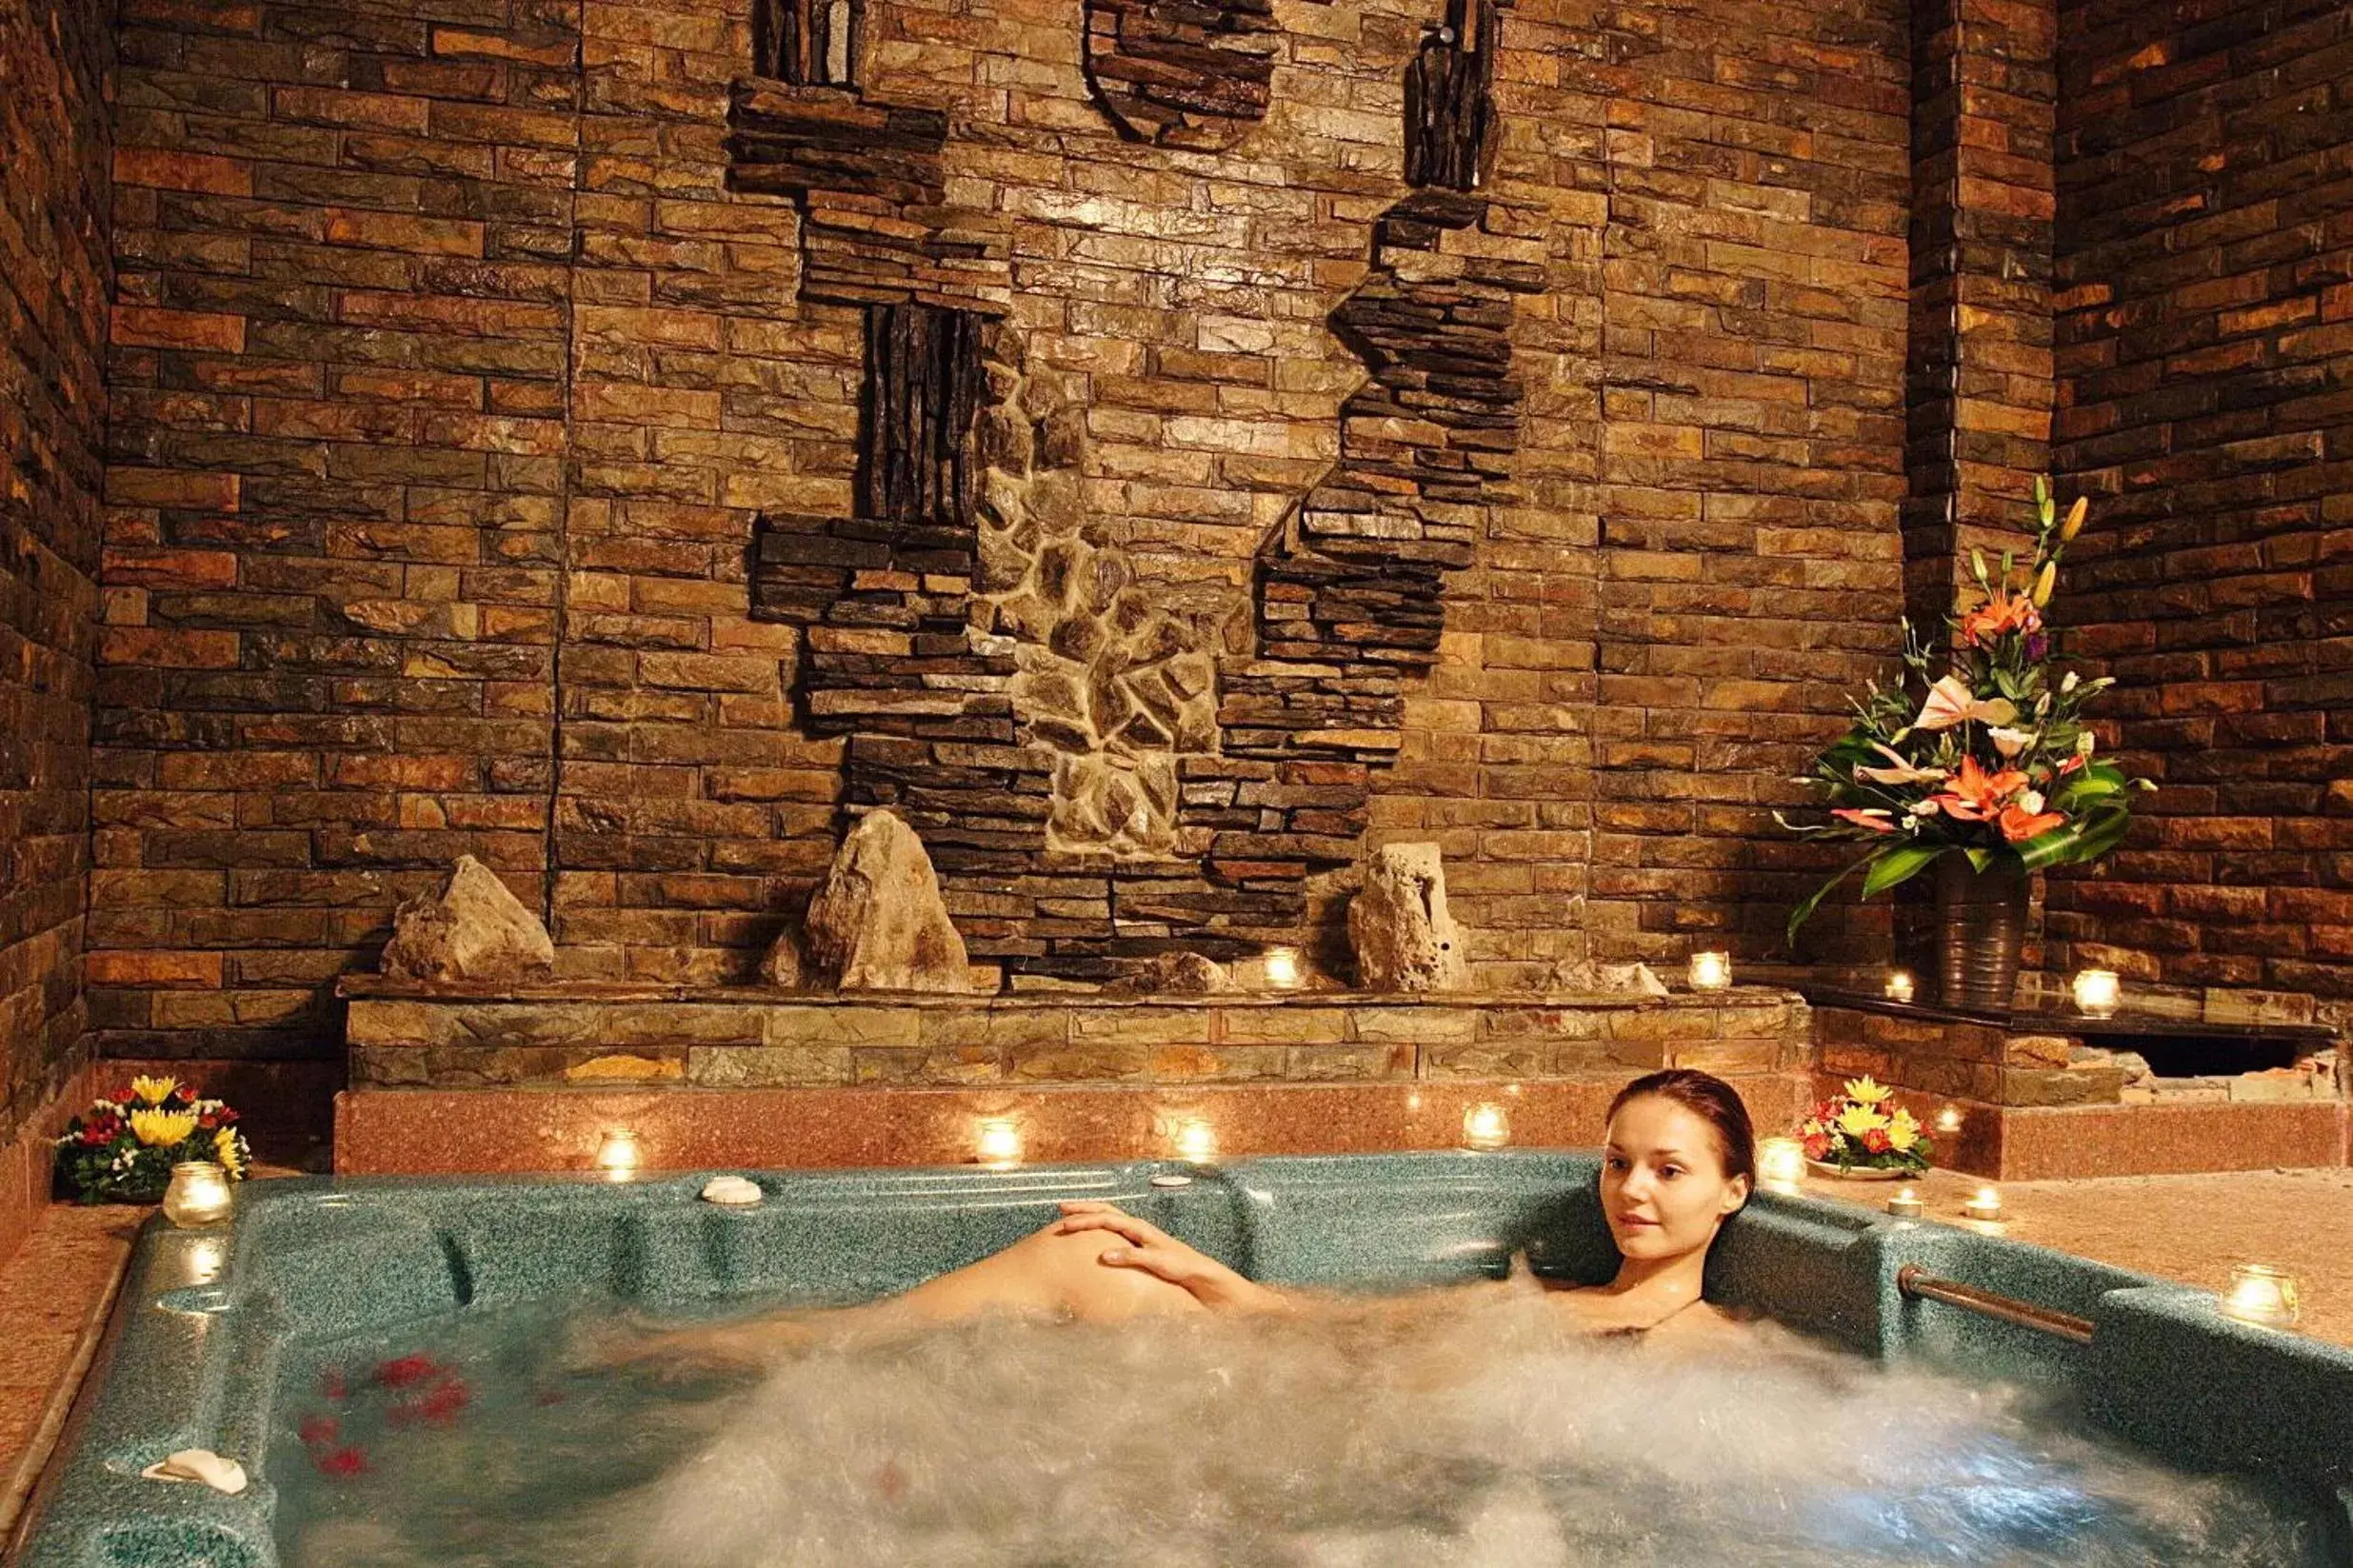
(2009, 741)
(2069, 683)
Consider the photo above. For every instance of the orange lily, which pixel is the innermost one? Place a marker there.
(1976, 795)
(2024, 818)
(2003, 612)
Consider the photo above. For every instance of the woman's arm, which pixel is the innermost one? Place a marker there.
(1157, 1253)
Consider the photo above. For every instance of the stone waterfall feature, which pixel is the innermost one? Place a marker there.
(1404, 939)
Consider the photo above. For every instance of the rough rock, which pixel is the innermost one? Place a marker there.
(1608, 979)
(474, 929)
(1404, 939)
(1175, 973)
(877, 923)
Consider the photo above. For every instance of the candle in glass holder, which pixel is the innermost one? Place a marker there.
(1906, 1204)
(1486, 1126)
(1781, 1164)
(1898, 985)
(1196, 1141)
(1949, 1122)
(197, 1195)
(2098, 992)
(1282, 967)
(1712, 971)
(1985, 1204)
(2261, 1293)
(999, 1144)
(617, 1156)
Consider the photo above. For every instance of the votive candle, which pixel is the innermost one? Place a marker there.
(1900, 985)
(1985, 1204)
(1781, 1163)
(1196, 1141)
(999, 1144)
(1712, 971)
(1906, 1205)
(2261, 1293)
(1282, 967)
(1486, 1125)
(197, 1193)
(617, 1156)
(2098, 992)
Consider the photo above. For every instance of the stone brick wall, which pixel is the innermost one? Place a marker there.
(55, 60)
(465, 358)
(2204, 280)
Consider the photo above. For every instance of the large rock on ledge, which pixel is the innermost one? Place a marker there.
(1404, 939)
(474, 929)
(877, 923)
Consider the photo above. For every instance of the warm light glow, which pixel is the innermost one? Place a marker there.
(1414, 1101)
(198, 1194)
(1948, 1120)
(1900, 985)
(1196, 1141)
(2098, 992)
(1906, 1204)
(1781, 1164)
(1282, 965)
(617, 1155)
(1486, 1125)
(1000, 1142)
(1712, 971)
(2261, 1293)
(1986, 1204)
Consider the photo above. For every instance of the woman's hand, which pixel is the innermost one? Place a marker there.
(1158, 1253)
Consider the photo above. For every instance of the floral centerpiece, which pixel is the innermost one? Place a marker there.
(1859, 1131)
(1994, 762)
(122, 1150)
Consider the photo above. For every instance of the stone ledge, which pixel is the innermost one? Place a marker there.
(418, 1035)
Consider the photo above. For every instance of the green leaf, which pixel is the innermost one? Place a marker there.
(2087, 838)
(1900, 864)
(1978, 859)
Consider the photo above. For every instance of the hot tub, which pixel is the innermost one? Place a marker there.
(212, 1324)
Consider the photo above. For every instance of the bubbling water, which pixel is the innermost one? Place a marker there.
(1455, 1429)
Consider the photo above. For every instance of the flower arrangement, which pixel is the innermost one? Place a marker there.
(1858, 1130)
(122, 1150)
(1995, 762)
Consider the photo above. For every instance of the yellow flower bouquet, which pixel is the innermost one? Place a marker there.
(1861, 1129)
(122, 1150)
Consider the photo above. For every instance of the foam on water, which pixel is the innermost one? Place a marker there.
(1461, 1428)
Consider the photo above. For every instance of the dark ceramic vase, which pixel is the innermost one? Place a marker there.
(1981, 926)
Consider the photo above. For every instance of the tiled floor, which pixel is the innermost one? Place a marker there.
(2185, 1227)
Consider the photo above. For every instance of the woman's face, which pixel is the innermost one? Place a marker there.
(1664, 1188)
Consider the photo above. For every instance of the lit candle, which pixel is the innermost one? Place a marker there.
(1781, 1164)
(197, 1193)
(1712, 971)
(1196, 1141)
(1906, 1204)
(2262, 1294)
(2098, 992)
(1000, 1142)
(617, 1155)
(1948, 1120)
(1986, 1204)
(1898, 985)
(1486, 1125)
(1282, 965)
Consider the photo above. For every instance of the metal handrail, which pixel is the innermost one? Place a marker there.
(1916, 1283)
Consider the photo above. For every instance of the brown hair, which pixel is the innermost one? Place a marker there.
(1713, 1101)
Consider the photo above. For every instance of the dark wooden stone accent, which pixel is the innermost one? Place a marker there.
(875, 227)
(1191, 73)
(1449, 99)
(808, 43)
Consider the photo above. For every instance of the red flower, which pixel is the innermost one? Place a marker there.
(406, 1370)
(1876, 1141)
(321, 1431)
(1818, 1146)
(340, 1462)
(438, 1404)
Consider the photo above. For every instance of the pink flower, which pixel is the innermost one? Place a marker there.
(1874, 819)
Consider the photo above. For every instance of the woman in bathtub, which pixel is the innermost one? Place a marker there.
(1680, 1161)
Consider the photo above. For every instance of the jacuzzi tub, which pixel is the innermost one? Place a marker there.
(193, 1355)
